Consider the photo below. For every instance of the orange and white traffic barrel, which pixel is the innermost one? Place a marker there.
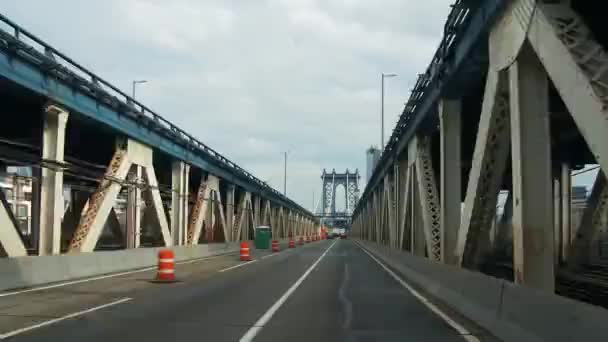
(245, 256)
(275, 245)
(301, 241)
(292, 243)
(166, 266)
(307, 240)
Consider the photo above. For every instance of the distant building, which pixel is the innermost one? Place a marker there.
(373, 155)
(16, 184)
(579, 193)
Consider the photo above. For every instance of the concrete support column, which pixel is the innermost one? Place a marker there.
(51, 192)
(566, 209)
(179, 201)
(449, 115)
(531, 162)
(134, 202)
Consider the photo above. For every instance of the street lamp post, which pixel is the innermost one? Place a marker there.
(135, 83)
(382, 111)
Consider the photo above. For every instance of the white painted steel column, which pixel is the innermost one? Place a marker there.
(450, 197)
(487, 171)
(427, 196)
(256, 211)
(557, 222)
(401, 174)
(230, 211)
(566, 209)
(209, 215)
(134, 207)
(419, 241)
(531, 162)
(179, 201)
(51, 195)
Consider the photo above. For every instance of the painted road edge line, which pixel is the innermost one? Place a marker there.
(237, 266)
(455, 325)
(257, 326)
(268, 256)
(62, 318)
(111, 275)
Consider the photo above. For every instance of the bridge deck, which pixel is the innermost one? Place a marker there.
(347, 296)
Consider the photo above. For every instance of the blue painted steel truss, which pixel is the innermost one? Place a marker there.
(35, 65)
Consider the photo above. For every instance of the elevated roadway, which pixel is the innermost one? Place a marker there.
(324, 291)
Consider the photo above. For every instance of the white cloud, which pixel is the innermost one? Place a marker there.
(255, 78)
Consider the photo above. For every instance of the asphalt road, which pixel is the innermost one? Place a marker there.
(323, 291)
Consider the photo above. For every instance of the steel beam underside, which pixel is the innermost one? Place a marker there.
(33, 79)
(475, 32)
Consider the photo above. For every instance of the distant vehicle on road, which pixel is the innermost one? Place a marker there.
(343, 236)
(333, 235)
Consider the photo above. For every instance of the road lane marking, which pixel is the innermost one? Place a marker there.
(455, 325)
(268, 256)
(348, 305)
(12, 293)
(257, 326)
(237, 266)
(63, 318)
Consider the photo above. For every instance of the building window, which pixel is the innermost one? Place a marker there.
(8, 193)
(21, 210)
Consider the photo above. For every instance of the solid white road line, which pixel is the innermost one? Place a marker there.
(257, 326)
(455, 325)
(59, 319)
(268, 256)
(12, 293)
(237, 266)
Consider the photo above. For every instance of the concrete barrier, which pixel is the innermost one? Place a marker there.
(509, 311)
(31, 271)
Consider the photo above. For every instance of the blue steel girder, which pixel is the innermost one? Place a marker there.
(466, 28)
(45, 71)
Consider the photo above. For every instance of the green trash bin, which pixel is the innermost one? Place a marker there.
(263, 235)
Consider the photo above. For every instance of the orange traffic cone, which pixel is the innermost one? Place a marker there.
(245, 251)
(275, 245)
(292, 243)
(166, 266)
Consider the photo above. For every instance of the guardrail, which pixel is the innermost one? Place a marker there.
(508, 311)
(33, 50)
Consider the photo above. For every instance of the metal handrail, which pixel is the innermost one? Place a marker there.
(69, 70)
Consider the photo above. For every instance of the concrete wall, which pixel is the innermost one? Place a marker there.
(37, 270)
(511, 312)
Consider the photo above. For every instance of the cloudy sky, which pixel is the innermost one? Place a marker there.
(254, 78)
